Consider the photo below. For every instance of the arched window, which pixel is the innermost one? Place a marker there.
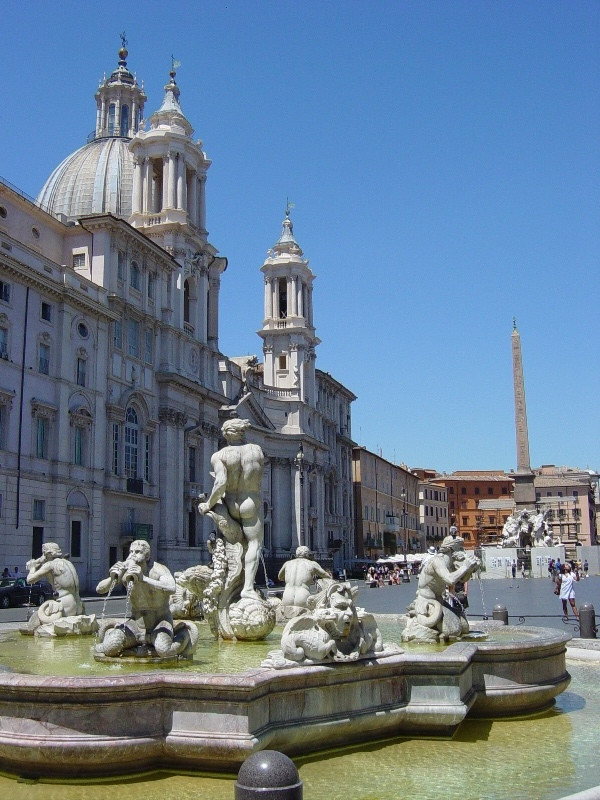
(124, 120)
(132, 433)
(111, 119)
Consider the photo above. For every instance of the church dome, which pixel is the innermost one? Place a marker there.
(96, 179)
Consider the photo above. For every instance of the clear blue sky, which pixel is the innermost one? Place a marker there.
(444, 162)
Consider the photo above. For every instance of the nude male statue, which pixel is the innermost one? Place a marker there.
(429, 608)
(149, 597)
(298, 574)
(61, 574)
(238, 470)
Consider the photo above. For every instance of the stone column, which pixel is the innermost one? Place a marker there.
(165, 182)
(136, 202)
(181, 184)
(192, 194)
(171, 202)
(202, 202)
(213, 311)
(268, 298)
(147, 186)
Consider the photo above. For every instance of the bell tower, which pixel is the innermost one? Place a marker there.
(288, 332)
(169, 204)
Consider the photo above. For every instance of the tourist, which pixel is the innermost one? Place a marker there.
(586, 567)
(551, 568)
(16, 573)
(523, 575)
(566, 591)
(6, 572)
(513, 568)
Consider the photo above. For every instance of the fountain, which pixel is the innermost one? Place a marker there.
(332, 683)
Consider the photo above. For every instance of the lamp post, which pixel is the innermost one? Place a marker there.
(299, 464)
(404, 532)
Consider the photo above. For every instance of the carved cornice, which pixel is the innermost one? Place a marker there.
(170, 416)
(41, 409)
(6, 398)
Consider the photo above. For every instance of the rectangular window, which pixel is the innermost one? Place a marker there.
(39, 509)
(1, 498)
(465, 520)
(5, 292)
(3, 343)
(192, 528)
(490, 490)
(44, 359)
(3, 426)
(37, 540)
(116, 436)
(192, 464)
(81, 363)
(117, 335)
(41, 438)
(147, 454)
(148, 343)
(492, 520)
(78, 434)
(134, 338)
(282, 362)
(78, 260)
(75, 538)
(46, 311)
(477, 490)
(151, 285)
(134, 276)
(121, 259)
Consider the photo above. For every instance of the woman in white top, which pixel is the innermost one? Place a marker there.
(567, 592)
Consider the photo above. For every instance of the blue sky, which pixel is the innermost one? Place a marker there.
(444, 164)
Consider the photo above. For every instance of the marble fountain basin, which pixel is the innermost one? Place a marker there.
(89, 725)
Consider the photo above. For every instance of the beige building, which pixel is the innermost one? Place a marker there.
(386, 503)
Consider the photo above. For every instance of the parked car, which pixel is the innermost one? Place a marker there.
(17, 592)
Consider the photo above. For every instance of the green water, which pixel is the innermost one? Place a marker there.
(74, 655)
(539, 758)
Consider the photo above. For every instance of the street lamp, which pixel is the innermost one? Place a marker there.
(405, 536)
(299, 464)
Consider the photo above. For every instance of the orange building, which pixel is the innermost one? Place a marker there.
(466, 490)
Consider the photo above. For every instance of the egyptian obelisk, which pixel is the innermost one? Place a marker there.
(524, 492)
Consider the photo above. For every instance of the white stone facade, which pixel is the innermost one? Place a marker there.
(112, 386)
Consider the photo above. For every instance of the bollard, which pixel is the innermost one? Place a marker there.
(587, 621)
(269, 775)
(500, 613)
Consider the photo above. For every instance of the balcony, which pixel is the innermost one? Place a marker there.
(135, 485)
(138, 530)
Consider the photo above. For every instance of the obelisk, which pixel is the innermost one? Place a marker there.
(524, 492)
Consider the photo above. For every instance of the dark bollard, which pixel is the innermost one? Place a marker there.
(500, 613)
(587, 621)
(269, 775)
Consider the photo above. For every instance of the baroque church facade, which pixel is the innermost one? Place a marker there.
(113, 389)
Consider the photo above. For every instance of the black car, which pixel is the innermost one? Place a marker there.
(17, 592)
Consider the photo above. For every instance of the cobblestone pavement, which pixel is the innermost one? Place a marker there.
(532, 599)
